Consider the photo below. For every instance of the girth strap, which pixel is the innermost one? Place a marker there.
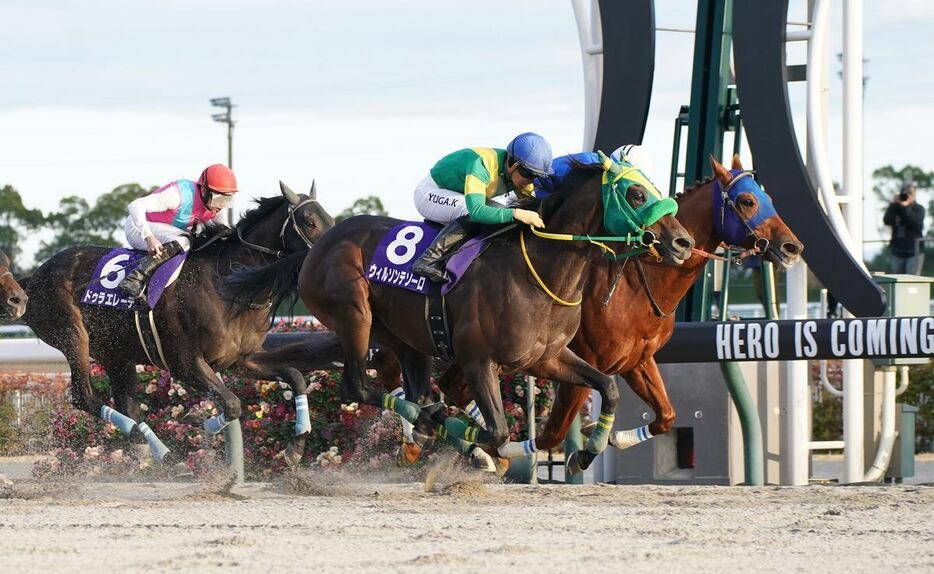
(436, 317)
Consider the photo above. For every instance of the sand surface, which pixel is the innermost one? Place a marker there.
(334, 523)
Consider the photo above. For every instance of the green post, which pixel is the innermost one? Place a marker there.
(749, 421)
(573, 443)
(769, 291)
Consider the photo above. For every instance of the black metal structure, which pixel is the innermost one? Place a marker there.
(759, 56)
(628, 29)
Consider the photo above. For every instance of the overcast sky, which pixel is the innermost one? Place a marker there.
(364, 96)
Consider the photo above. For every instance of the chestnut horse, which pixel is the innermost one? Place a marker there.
(622, 326)
(501, 320)
(12, 297)
(201, 333)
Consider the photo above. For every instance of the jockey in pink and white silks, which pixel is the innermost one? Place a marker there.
(161, 222)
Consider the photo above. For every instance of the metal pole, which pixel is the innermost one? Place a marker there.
(748, 420)
(853, 188)
(530, 413)
(233, 448)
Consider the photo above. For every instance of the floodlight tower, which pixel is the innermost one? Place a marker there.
(226, 117)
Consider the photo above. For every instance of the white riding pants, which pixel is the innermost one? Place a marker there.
(161, 231)
(443, 205)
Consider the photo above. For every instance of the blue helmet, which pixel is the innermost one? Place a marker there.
(532, 152)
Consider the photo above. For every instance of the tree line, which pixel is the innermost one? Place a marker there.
(75, 221)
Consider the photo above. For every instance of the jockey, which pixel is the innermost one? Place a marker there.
(161, 222)
(461, 184)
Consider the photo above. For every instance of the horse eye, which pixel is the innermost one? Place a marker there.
(748, 202)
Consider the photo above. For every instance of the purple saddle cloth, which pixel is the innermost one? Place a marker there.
(400, 248)
(103, 289)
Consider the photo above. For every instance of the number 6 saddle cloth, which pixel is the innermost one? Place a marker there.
(401, 247)
(103, 289)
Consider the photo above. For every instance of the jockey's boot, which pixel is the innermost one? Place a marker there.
(431, 263)
(135, 281)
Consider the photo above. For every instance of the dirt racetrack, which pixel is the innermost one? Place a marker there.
(346, 525)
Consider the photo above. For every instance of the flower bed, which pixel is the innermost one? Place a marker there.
(340, 434)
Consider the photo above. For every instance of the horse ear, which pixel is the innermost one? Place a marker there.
(313, 194)
(721, 173)
(288, 194)
(737, 164)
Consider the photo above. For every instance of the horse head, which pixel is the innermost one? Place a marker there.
(12, 297)
(644, 210)
(306, 218)
(744, 216)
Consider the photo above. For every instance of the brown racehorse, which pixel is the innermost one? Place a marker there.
(202, 333)
(501, 320)
(621, 331)
(12, 297)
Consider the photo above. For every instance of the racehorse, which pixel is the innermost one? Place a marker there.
(207, 333)
(512, 311)
(12, 297)
(628, 314)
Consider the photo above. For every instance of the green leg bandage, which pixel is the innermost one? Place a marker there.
(459, 444)
(402, 407)
(460, 429)
(601, 434)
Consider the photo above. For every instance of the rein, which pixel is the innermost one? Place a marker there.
(528, 262)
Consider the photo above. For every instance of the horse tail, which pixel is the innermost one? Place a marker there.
(271, 284)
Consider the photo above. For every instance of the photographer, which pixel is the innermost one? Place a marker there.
(906, 218)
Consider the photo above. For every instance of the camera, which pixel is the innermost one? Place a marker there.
(903, 196)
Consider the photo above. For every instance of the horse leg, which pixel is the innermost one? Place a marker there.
(569, 399)
(260, 368)
(647, 383)
(569, 368)
(452, 384)
(202, 376)
(122, 377)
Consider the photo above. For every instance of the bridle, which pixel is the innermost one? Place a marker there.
(760, 244)
(290, 217)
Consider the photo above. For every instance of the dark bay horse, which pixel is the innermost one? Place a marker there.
(621, 330)
(202, 333)
(502, 320)
(12, 297)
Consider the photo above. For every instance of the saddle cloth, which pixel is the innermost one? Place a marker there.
(103, 290)
(402, 245)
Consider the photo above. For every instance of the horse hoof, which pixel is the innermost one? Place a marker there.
(502, 465)
(480, 460)
(291, 456)
(572, 464)
(408, 454)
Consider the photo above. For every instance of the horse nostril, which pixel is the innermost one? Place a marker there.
(17, 300)
(684, 243)
(791, 248)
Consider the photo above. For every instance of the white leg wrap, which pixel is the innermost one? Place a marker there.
(627, 438)
(473, 411)
(302, 419)
(156, 447)
(121, 421)
(517, 449)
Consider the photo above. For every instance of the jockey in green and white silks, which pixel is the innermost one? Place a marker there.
(462, 184)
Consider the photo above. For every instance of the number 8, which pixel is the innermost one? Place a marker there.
(407, 238)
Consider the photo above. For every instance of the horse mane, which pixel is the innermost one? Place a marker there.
(694, 187)
(211, 229)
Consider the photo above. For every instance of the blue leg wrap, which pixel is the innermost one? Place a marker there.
(122, 422)
(216, 424)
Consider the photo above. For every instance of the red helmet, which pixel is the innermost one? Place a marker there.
(219, 179)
